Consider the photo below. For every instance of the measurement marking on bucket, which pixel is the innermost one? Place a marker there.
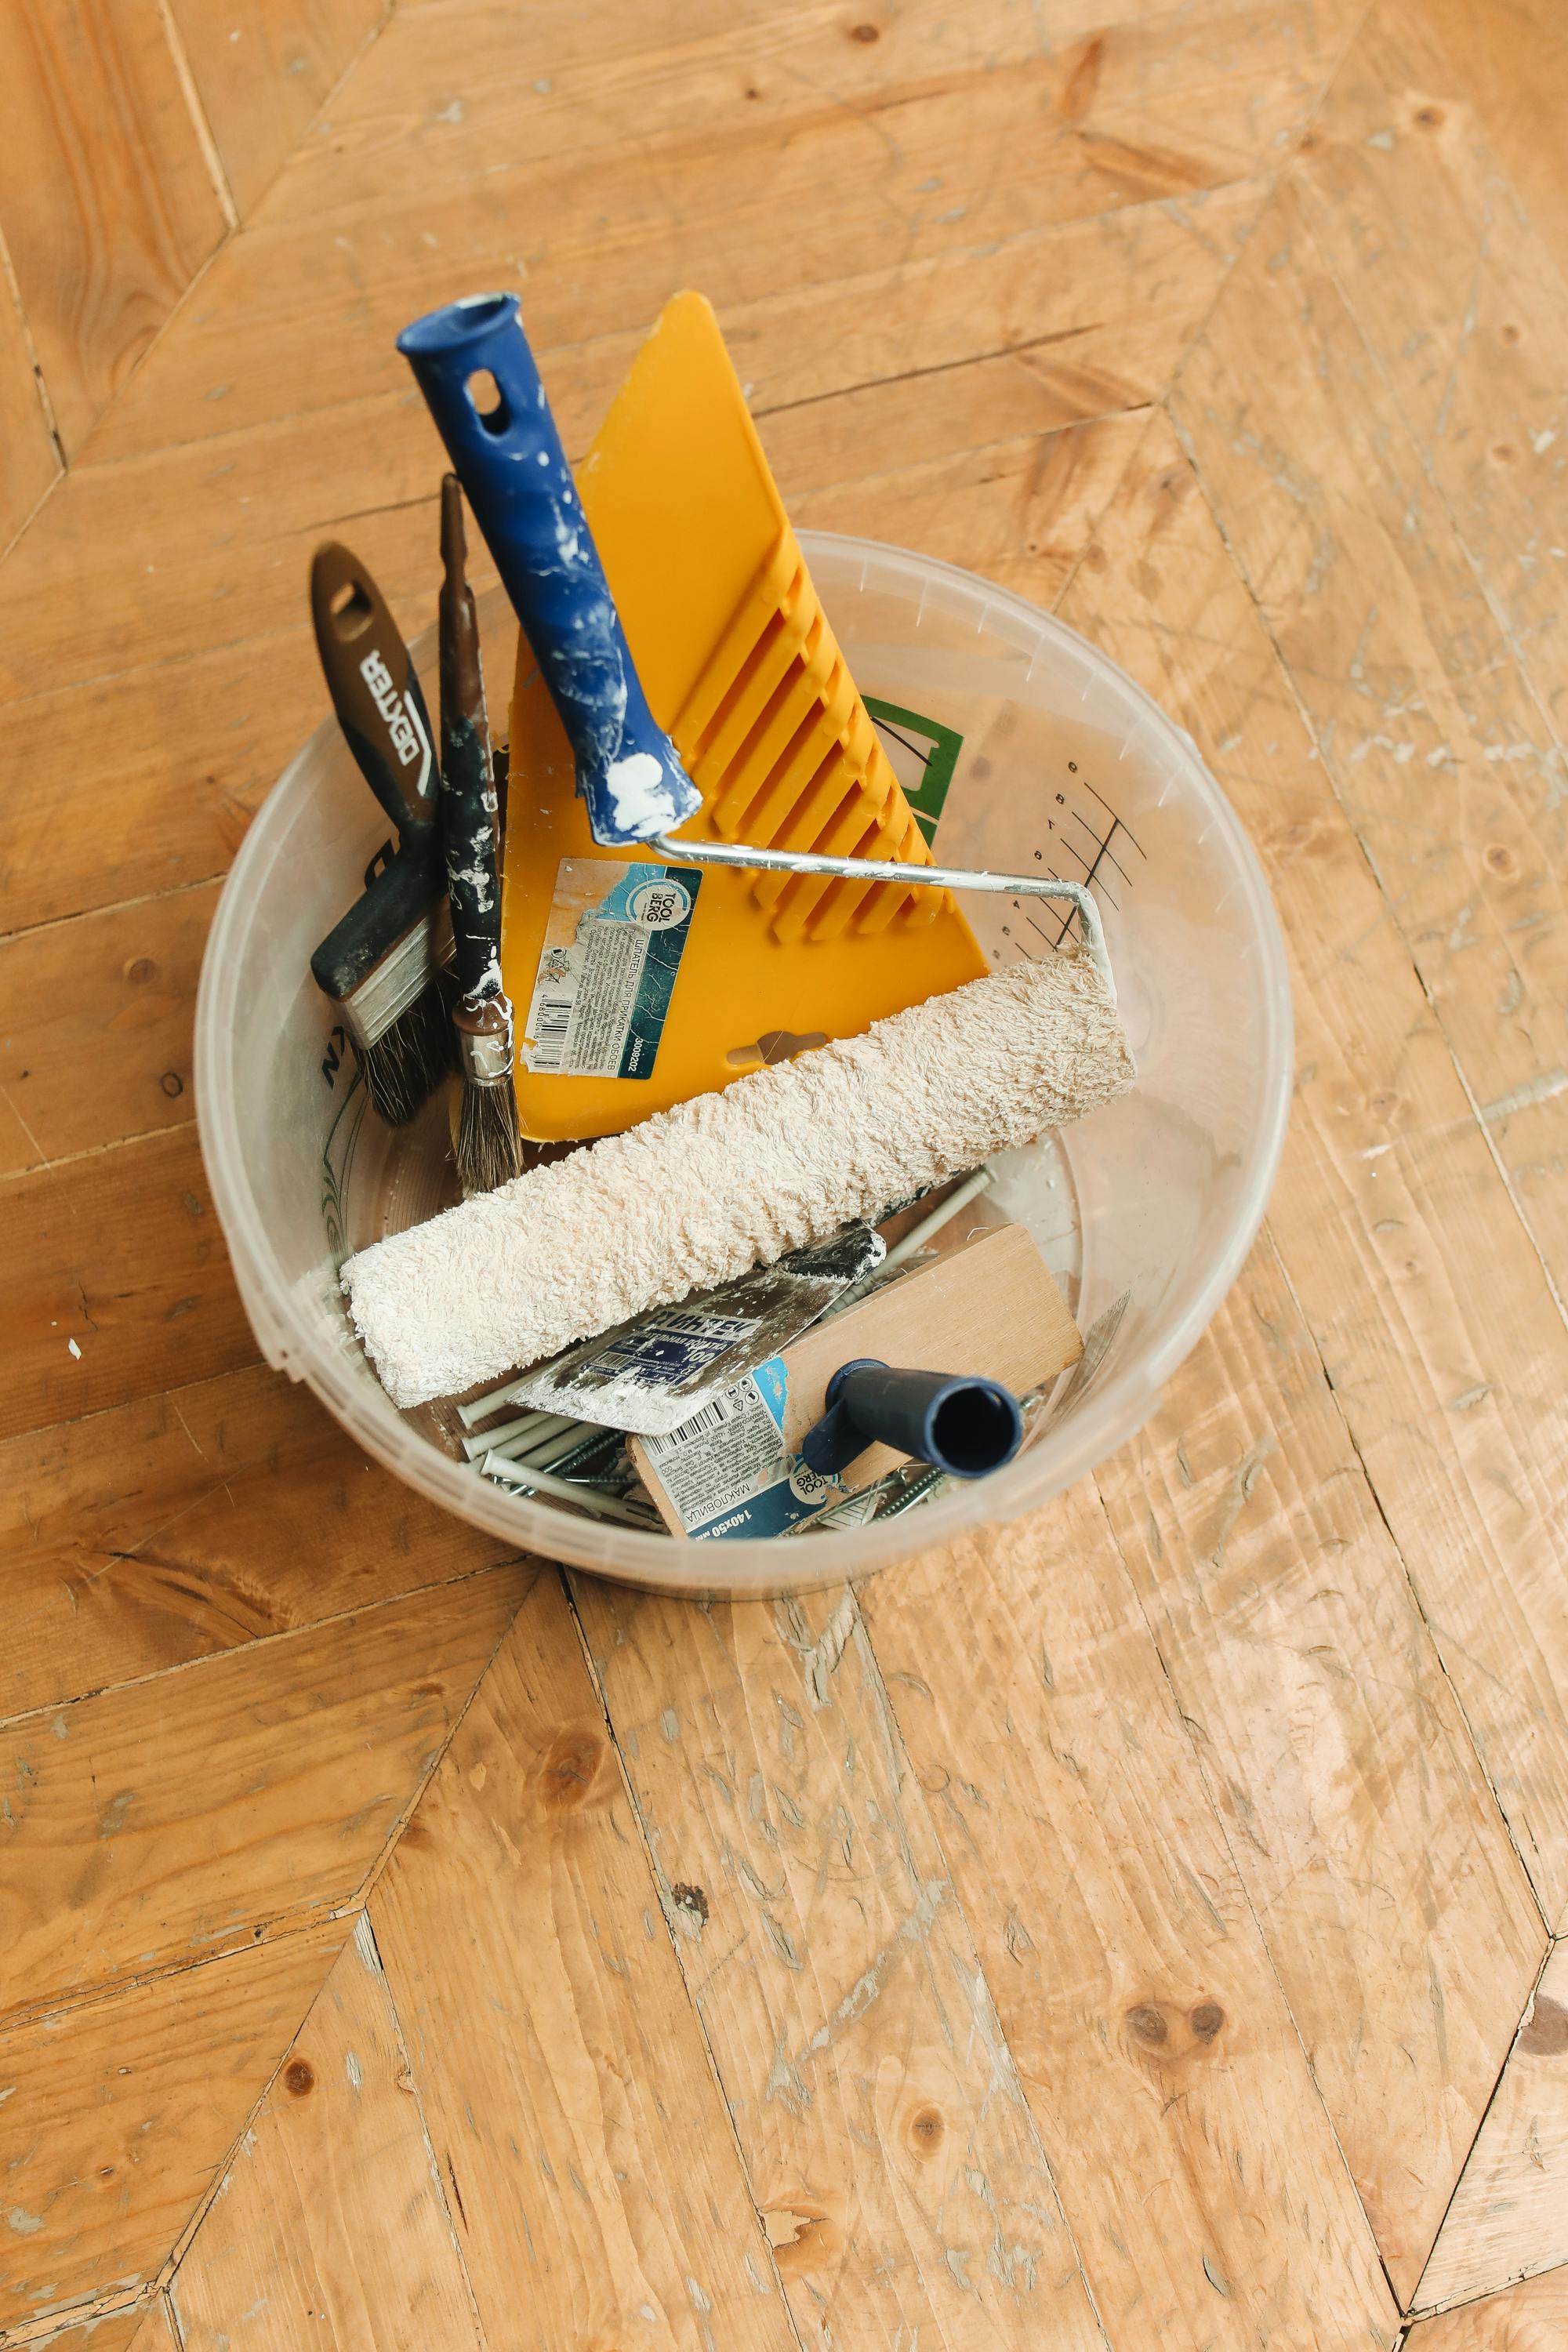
(924, 754)
(1104, 845)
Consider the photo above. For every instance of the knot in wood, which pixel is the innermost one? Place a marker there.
(570, 1768)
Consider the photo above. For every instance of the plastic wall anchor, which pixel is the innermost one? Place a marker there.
(967, 1426)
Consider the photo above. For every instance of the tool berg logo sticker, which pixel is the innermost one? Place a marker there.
(659, 906)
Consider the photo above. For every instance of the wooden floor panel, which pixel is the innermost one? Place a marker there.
(119, 2117)
(1510, 2213)
(197, 1521)
(1118, 1928)
(902, 2181)
(143, 2327)
(171, 1817)
(1396, 1908)
(333, 2225)
(1439, 1328)
(1530, 2317)
(1196, 2165)
(572, 2106)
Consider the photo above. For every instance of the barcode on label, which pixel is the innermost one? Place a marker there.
(552, 1021)
(732, 1406)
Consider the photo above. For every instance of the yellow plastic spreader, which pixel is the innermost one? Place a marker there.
(639, 983)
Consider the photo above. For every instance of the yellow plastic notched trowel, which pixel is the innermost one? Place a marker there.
(639, 983)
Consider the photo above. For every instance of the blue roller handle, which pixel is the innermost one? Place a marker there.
(514, 473)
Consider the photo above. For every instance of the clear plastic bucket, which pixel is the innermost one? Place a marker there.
(1040, 753)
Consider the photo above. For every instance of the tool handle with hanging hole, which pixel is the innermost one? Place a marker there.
(505, 450)
(375, 688)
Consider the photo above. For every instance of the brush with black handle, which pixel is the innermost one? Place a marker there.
(384, 964)
(488, 1147)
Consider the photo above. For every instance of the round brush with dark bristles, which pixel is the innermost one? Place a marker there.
(488, 1150)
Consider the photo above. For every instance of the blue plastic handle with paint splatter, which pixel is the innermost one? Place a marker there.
(514, 473)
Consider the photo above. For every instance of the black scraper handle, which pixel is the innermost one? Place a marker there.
(375, 690)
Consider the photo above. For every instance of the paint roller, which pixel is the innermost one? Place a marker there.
(698, 1194)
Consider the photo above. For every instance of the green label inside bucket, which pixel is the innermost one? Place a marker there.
(924, 754)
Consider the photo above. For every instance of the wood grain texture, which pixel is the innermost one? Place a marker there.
(108, 206)
(884, 2128)
(1096, 107)
(1394, 1906)
(1194, 2162)
(156, 2333)
(160, 795)
(1022, 510)
(332, 2228)
(147, 1827)
(570, 2101)
(119, 2113)
(115, 1283)
(1430, 731)
(1530, 2317)
(305, 318)
(1437, 1325)
(1510, 61)
(87, 597)
(143, 2327)
(193, 1522)
(99, 1045)
(1467, 328)
(96, 595)
(262, 69)
(1510, 2213)
(29, 461)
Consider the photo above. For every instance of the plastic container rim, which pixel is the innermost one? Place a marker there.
(762, 1565)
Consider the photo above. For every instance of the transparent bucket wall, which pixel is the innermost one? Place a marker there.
(1032, 752)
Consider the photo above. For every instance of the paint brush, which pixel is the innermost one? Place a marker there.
(488, 1151)
(383, 963)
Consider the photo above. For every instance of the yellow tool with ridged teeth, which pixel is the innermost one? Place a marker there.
(644, 982)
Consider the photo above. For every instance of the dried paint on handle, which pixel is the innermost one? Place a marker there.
(467, 792)
(508, 458)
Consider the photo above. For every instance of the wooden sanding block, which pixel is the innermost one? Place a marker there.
(989, 1308)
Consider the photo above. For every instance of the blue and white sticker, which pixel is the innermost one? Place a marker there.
(726, 1470)
(669, 1346)
(613, 945)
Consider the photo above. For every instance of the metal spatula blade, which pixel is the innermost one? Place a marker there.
(652, 1374)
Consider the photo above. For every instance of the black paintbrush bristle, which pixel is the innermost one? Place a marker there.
(410, 1060)
(489, 1149)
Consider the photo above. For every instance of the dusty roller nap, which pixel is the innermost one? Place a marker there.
(701, 1193)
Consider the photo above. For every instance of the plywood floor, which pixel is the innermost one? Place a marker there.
(1137, 1926)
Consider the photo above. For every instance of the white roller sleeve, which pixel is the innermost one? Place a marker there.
(697, 1194)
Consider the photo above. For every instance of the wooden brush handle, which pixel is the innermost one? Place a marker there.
(405, 893)
(473, 885)
(508, 458)
(469, 831)
(375, 690)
